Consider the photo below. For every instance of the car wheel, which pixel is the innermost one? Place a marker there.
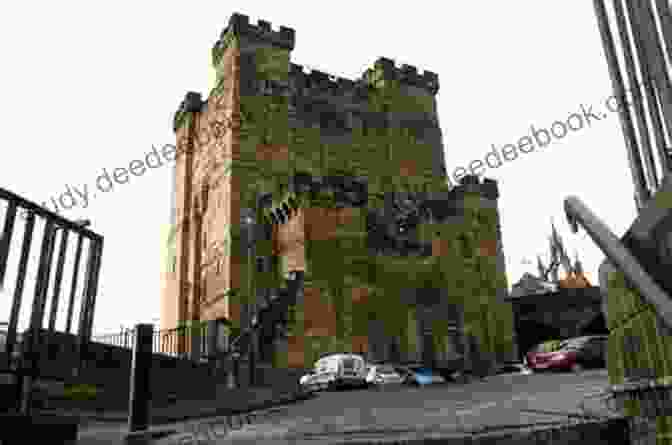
(577, 367)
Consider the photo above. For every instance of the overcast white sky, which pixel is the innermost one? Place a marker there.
(94, 85)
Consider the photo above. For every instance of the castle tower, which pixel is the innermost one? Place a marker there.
(210, 171)
(330, 166)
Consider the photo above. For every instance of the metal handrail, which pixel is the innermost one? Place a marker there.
(578, 213)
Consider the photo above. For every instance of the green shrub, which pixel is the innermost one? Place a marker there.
(80, 391)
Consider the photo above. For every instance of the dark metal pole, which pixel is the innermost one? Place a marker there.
(37, 315)
(639, 179)
(663, 7)
(646, 76)
(42, 285)
(44, 289)
(93, 288)
(630, 65)
(140, 390)
(6, 239)
(58, 279)
(661, 80)
(250, 252)
(90, 264)
(236, 368)
(20, 281)
(73, 285)
(82, 338)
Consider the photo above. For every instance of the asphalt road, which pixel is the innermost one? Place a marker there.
(502, 401)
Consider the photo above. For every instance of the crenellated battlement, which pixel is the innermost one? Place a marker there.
(474, 184)
(192, 102)
(386, 69)
(319, 81)
(239, 25)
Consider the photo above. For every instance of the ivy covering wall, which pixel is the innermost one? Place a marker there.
(639, 347)
(170, 248)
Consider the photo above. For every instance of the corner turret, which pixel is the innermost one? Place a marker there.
(239, 27)
(384, 69)
(472, 184)
(192, 102)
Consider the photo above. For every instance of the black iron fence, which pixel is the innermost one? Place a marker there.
(22, 265)
(199, 340)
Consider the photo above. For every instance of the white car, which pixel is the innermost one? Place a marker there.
(383, 375)
(338, 370)
(306, 379)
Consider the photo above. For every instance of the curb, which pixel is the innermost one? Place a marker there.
(166, 426)
(283, 399)
(247, 411)
(145, 437)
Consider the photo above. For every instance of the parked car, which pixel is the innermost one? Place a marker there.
(574, 354)
(420, 375)
(339, 370)
(306, 381)
(513, 368)
(383, 375)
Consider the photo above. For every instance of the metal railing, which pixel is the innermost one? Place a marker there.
(166, 341)
(577, 213)
(24, 218)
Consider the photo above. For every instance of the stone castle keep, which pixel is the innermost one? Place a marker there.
(361, 247)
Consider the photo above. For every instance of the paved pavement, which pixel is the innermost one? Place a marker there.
(498, 403)
(501, 403)
(260, 404)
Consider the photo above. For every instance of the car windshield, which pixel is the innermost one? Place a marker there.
(547, 346)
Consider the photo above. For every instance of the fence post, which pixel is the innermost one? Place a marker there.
(138, 412)
(195, 329)
(468, 365)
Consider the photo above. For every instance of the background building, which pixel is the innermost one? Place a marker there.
(548, 306)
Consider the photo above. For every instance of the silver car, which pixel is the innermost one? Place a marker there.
(383, 375)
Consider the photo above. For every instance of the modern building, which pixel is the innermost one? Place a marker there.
(360, 246)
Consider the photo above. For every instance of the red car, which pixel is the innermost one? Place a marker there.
(573, 354)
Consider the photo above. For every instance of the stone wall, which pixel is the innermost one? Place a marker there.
(108, 368)
(208, 199)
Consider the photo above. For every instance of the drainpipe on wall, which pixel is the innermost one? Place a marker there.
(192, 104)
